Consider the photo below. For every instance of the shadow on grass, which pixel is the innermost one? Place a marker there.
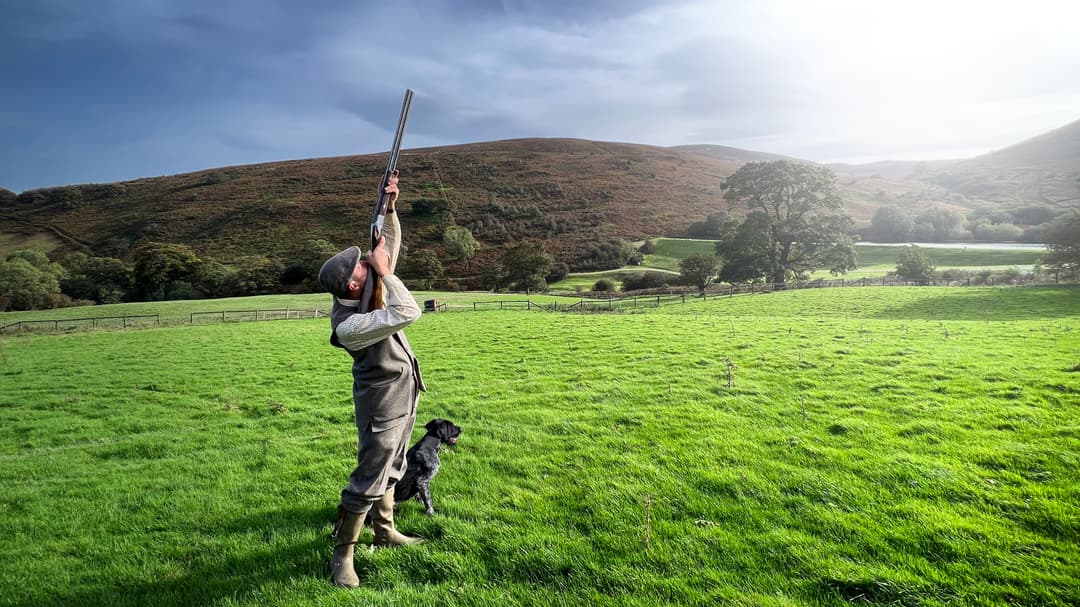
(231, 577)
(1005, 303)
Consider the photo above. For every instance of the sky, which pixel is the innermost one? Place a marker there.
(111, 90)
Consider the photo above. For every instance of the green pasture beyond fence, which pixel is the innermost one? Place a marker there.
(595, 302)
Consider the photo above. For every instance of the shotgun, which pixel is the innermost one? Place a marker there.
(379, 217)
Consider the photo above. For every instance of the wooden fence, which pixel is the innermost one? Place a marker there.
(259, 314)
(129, 320)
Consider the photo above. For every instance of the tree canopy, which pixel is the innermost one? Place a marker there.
(423, 264)
(102, 279)
(28, 281)
(698, 270)
(522, 267)
(892, 224)
(914, 264)
(157, 264)
(1063, 243)
(795, 223)
(460, 243)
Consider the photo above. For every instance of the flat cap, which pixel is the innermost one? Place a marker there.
(335, 273)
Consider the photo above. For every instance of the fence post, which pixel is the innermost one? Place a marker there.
(93, 322)
(223, 316)
(56, 324)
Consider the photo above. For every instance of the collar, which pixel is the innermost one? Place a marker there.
(352, 303)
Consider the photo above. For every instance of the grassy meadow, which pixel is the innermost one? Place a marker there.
(887, 446)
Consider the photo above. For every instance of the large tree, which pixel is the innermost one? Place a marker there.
(460, 243)
(939, 224)
(698, 270)
(422, 264)
(914, 264)
(103, 279)
(892, 224)
(28, 281)
(158, 263)
(522, 267)
(1062, 240)
(795, 223)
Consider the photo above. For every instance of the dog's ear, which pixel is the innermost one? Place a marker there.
(433, 425)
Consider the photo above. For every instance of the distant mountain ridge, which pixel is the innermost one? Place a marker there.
(1043, 169)
(730, 154)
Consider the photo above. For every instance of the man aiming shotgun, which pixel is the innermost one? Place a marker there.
(371, 307)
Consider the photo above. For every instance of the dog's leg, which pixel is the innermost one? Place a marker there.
(425, 496)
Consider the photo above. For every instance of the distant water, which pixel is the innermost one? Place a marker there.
(1000, 246)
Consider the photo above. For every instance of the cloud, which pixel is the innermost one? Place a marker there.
(98, 88)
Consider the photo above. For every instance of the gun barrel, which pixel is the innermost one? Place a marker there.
(380, 203)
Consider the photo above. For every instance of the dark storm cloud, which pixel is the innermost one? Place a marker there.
(117, 89)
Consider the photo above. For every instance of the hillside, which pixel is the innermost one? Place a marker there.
(569, 193)
(1043, 169)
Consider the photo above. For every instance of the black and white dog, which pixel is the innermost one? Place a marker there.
(423, 463)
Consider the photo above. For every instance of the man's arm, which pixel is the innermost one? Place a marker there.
(359, 331)
(392, 234)
(391, 227)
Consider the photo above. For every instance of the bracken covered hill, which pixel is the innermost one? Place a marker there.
(567, 193)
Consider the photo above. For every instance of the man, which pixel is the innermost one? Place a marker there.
(371, 307)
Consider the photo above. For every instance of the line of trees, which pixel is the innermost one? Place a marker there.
(167, 271)
(892, 223)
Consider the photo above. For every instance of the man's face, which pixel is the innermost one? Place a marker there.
(359, 276)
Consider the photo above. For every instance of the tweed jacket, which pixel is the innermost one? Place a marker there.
(386, 374)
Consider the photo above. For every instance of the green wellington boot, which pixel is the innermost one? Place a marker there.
(382, 521)
(347, 533)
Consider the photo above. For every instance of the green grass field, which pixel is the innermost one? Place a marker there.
(887, 446)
